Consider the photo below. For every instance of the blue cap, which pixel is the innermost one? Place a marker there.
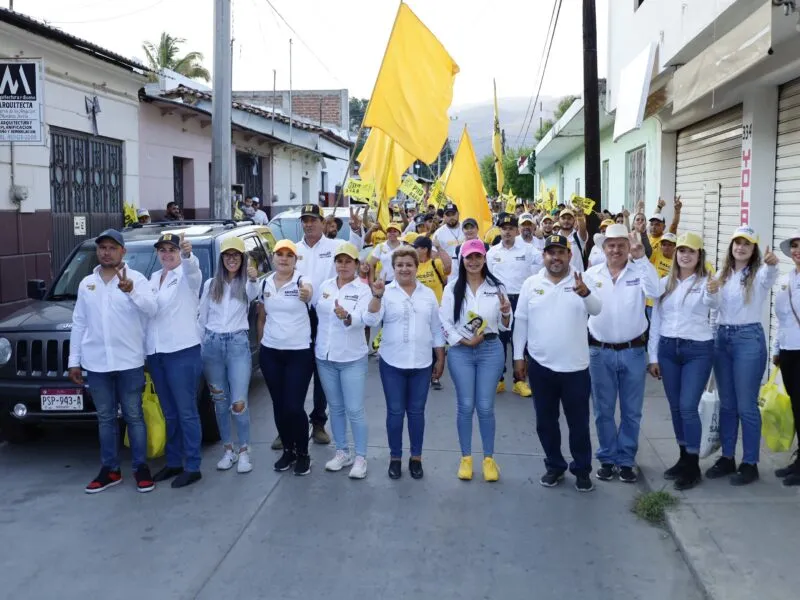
(111, 234)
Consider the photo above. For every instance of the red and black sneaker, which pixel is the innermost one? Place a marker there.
(105, 479)
(144, 480)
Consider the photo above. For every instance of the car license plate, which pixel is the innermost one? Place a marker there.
(66, 399)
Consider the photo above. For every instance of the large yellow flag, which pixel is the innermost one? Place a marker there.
(497, 147)
(383, 162)
(465, 186)
(414, 89)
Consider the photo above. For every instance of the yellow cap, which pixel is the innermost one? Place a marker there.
(395, 225)
(347, 249)
(567, 211)
(607, 223)
(690, 240)
(747, 233)
(378, 237)
(286, 245)
(232, 243)
(410, 237)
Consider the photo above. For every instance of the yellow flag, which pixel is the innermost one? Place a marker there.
(465, 187)
(383, 162)
(542, 188)
(497, 147)
(414, 89)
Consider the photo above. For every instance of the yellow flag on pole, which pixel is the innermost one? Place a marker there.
(414, 89)
(383, 162)
(497, 146)
(465, 186)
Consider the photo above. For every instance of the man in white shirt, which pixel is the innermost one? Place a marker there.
(315, 254)
(108, 343)
(259, 216)
(572, 225)
(512, 261)
(618, 357)
(558, 365)
(526, 228)
(544, 230)
(450, 234)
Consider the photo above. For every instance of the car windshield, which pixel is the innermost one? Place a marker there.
(139, 257)
(290, 228)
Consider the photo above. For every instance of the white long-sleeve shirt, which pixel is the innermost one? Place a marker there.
(108, 325)
(411, 326)
(541, 304)
(174, 326)
(622, 318)
(733, 310)
(512, 266)
(485, 303)
(788, 336)
(450, 238)
(288, 324)
(315, 263)
(577, 246)
(336, 341)
(229, 314)
(685, 314)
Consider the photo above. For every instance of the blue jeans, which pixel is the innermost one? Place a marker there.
(123, 388)
(739, 362)
(176, 376)
(406, 393)
(227, 366)
(685, 369)
(475, 373)
(617, 373)
(344, 384)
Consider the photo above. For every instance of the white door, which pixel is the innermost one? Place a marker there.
(708, 180)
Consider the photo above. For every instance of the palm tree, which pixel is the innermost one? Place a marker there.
(166, 55)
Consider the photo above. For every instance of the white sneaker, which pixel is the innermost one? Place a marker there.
(244, 466)
(227, 460)
(340, 460)
(359, 470)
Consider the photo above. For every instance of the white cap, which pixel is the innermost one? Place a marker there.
(142, 212)
(616, 231)
(256, 199)
(658, 217)
(786, 245)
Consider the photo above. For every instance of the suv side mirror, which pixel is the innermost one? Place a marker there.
(36, 289)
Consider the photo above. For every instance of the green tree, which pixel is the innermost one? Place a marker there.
(521, 184)
(166, 55)
(547, 125)
(358, 106)
(544, 128)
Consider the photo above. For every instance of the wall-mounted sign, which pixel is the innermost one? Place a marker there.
(21, 101)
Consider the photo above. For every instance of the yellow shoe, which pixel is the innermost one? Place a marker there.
(501, 387)
(465, 468)
(523, 389)
(490, 470)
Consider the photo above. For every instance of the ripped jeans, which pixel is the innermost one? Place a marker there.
(227, 367)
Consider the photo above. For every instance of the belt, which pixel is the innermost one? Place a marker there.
(489, 336)
(638, 342)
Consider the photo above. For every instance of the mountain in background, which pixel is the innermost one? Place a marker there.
(479, 119)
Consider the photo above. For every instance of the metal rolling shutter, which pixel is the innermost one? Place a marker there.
(708, 178)
(787, 179)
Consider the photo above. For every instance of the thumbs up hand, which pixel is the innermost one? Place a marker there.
(340, 312)
(186, 247)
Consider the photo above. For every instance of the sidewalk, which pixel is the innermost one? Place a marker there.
(741, 543)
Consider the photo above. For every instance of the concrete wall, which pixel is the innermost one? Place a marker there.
(331, 105)
(290, 167)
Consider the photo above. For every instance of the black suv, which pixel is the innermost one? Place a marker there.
(34, 341)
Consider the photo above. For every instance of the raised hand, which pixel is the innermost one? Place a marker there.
(305, 292)
(661, 203)
(580, 287)
(252, 273)
(378, 286)
(505, 305)
(626, 213)
(713, 285)
(340, 312)
(186, 247)
(355, 219)
(637, 248)
(770, 258)
(125, 284)
(640, 206)
(678, 204)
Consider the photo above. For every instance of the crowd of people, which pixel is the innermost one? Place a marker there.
(427, 293)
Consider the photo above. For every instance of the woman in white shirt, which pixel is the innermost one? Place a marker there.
(681, 349)
(285, 355)
(225, 348)
(383, 251)
(341, 354)
(474, 310)
(786, 352)
(411, 328)
(173, 356)
(740, 352)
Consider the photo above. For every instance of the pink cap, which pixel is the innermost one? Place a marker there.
(472, 247)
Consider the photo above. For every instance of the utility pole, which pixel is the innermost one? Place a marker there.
(591, 116)
(221, 112)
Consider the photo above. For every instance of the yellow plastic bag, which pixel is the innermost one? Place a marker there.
(777, 420)
(153, 419)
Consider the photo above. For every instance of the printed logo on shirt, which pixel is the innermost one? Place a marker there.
(325, 254)
(599, 284)
(485, 293)
(632, 282)
(173, 282)
(538, 291)
(352, 298)
(90, 287)
(325, 295)
(295, 293)
(267, 294)
(497, 258)
(521, 258)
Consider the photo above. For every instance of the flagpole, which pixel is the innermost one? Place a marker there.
(366, 110)
(444, 189)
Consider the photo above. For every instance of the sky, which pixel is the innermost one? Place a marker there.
(340, 43)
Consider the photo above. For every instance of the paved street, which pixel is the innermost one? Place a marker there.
(269, 535)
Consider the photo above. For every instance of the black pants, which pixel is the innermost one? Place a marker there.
(318, 415)
(506, 337)
(790, 372)
(551, 390)
(287, 374)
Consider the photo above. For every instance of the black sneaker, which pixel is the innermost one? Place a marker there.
(285, 462)
(552, 478)
(583, 483)
(144, 480)
(105, 479)
(628, 475)
(793, 467)
(186, 478)
(747, 474)
(675, 470)
(606, 472)
(722, 468)
(395, 469)
(167, 473)
(791, 480)
(415, 468)
(302, 465)
(436, 384)
(690, 475)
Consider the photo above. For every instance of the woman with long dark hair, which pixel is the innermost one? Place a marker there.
(741, 352)
(225, 348)
(474, 310)
(681, 350)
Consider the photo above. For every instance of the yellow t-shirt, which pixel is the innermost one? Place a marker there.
(427, 277)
